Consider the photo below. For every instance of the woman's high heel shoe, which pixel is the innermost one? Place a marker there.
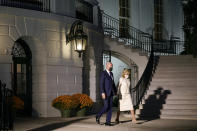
(117, 121)
(134, 121)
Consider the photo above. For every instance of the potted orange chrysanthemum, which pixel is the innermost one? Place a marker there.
(65, 104)
(17, 103)
(85, 103)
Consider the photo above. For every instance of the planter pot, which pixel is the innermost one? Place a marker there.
(82, 112)
(66, 113)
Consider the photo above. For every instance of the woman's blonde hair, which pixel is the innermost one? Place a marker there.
(125, 71)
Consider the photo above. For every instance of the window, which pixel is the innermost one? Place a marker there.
(84, 11)
(158, 13)
(124, 18)
(124, 8)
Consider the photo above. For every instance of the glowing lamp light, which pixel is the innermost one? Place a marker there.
(77, 37)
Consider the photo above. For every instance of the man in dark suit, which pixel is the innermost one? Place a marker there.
(108, 90)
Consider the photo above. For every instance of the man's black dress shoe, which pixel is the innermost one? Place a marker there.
(108, 124)
(97, 120)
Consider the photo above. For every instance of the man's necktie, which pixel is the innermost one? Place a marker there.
(110, 74)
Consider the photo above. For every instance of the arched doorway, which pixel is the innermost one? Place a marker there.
(22, 74)
(121, 62)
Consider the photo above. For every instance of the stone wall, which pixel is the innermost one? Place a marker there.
(56, 67)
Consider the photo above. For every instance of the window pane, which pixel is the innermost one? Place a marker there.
(158, 19)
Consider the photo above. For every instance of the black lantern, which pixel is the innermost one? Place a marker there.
(77, 37)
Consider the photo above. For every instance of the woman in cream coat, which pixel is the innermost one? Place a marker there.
(125, 103)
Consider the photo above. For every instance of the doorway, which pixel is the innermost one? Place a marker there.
(22, 74)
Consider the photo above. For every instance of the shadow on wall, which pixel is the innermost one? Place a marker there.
(154, 103)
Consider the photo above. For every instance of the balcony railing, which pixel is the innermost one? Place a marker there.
(136, 38)
(139, 39)
(168, 47)
(39, 5)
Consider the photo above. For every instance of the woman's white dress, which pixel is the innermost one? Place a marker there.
(125, 103)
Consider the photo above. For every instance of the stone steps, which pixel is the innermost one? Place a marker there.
(175, 79)
(179, 64)
(172, 93)
(180, 106)
(178, 96)
(174, 71)
(175, 101)
(171, 87)
(188, 83)
(168, 108)
(176, 68)
(191, 117)
(174, 75)
(188, 112)
(179, 101)
(185, 97)
(178, 91)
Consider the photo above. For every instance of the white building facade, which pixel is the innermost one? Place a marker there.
(38, 64)
(35, 59)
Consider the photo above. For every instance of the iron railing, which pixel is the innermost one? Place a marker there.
(6, 113)
(39, 5)
(135, 37)
(168, 47)
(140, 89)
(140, 39)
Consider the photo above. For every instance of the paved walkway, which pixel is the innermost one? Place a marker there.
(88, 124)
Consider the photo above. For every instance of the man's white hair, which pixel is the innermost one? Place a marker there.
(108, 63)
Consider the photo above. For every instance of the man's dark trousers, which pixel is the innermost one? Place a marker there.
(108, 103)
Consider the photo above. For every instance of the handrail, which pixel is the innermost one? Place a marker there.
(117, 21)
(136, 38)
(140, 89)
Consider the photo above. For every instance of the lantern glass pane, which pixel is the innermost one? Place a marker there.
(74, 43)
(79, 45)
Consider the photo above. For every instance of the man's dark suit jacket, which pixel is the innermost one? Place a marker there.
(107, 85)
